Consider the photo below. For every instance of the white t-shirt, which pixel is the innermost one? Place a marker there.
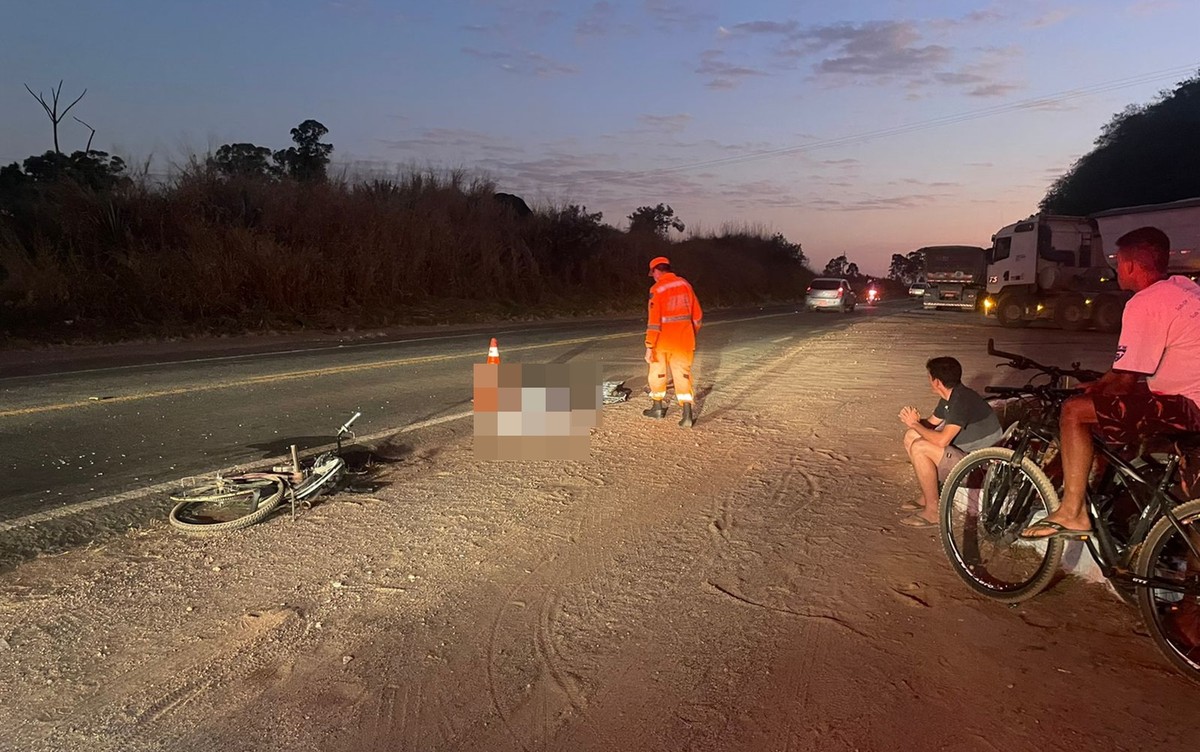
(1160, 337)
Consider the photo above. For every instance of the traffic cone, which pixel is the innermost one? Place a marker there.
(493, 353)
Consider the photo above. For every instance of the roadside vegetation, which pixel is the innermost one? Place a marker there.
(251, 239)
(1147, 154)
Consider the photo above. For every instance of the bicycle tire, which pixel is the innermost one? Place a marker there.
(966, 564)
(185, 516)
(1160, 556)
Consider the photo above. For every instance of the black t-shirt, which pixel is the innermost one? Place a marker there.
(979, 425)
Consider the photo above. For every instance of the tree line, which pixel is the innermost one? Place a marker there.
(253, 238)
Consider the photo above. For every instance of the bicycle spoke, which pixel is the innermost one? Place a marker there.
(982, 519)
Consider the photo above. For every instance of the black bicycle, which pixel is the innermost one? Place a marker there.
(1145, 533)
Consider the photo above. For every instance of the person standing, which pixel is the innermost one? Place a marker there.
(672, 322)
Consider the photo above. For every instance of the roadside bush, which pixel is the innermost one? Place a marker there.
(210, 252)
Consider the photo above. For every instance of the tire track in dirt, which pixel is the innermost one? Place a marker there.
(152, 690)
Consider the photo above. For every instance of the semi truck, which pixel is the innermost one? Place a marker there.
(955, 276)
(1062, 268)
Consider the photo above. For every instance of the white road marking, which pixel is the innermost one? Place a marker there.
(168, 486)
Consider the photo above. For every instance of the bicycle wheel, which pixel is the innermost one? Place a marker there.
(1173, 619)
(986, 502)
(228, 504)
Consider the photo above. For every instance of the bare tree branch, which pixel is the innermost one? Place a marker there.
(41, 101)
(52, 109)
(64, 112)
(88, 148)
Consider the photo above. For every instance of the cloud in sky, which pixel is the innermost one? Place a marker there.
(872, 50)
(672, 15)
(1153, 7)
(453, 139)
(721, 73)
(667, 123)
(600, 19)
(876, 203)
(1051, 18)
(524, 62)
(981, 17)
(876, 52)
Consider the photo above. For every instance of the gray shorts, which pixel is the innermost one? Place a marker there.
(949, 459)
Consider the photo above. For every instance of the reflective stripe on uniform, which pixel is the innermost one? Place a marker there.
(655, 327)
(669, 319)
(669, 285)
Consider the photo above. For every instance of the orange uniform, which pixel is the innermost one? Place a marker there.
(671, 326)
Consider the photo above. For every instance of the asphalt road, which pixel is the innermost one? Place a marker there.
(73, 435)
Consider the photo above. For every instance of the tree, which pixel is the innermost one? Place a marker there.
(1146, 154)
(52, 110)
(243, 160)
(907, 269)
(793, 251)
(852, 271)
(93, 169)
(308, 158)
(658, 220)
(572, 234)
(836, 267)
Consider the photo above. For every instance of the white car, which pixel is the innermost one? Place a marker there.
(917, 289)
(830, 294)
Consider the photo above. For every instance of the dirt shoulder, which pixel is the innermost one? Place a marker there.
(744, 585)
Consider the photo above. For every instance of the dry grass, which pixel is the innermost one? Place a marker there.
(206, 254)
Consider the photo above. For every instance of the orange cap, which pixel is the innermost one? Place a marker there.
(656, 261)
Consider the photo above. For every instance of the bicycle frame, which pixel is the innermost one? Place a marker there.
(1114, 563)
(1113, 559)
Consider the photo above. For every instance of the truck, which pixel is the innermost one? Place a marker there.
(955, 276)
(1061, 268)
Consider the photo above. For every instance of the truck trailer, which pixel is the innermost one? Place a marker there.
(955, 276)
(1062, 268)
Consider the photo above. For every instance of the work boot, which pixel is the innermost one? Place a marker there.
(657, 410)
(687, 421)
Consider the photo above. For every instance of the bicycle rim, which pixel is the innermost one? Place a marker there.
(234, 508)
(986, 502)
(1173, 618)
(323, 476)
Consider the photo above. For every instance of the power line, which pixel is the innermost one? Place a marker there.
(938, 122)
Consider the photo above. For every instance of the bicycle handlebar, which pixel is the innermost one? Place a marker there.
(346, 428)
(1022, 363)
(1052, 391)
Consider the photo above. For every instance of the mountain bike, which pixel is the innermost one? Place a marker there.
(1145, 537)
(237, 501)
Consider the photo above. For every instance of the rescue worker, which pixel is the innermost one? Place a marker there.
(671, 326)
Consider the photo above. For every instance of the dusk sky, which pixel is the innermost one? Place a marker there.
(865, 128)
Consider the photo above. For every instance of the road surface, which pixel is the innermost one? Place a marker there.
(744, 585)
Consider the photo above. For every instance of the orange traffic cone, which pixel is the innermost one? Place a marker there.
(493, 353)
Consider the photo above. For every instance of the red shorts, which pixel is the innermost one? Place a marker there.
(1141, 414)
(1148, 422)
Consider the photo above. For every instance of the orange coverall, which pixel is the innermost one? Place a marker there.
(671, 326)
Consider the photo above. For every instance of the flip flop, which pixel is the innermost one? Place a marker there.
(910, 506)
(1059, 531)
(917, 521)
